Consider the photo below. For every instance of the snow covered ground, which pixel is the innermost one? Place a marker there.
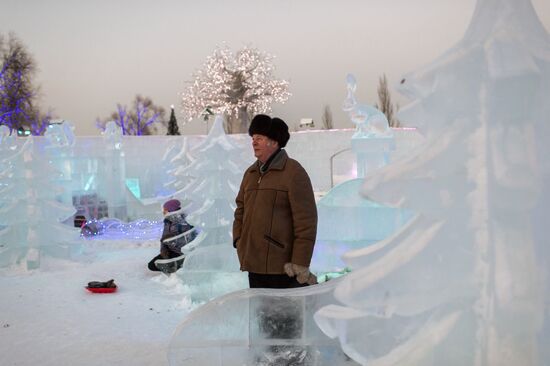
(47, 317)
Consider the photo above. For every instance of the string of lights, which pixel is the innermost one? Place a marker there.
(234, 83)
(114, 229)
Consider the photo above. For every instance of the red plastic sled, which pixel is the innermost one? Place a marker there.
(101, 290)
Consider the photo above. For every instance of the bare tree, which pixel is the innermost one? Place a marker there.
(18, 95)
(142, 119)
(385, 103)
(327, 118)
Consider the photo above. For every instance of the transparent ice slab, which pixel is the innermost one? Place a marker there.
(258, 327)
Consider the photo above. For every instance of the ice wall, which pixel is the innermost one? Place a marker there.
(87, 169)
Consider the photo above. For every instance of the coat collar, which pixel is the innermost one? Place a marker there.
(278, 162)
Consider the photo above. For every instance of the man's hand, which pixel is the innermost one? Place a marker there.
(302, 273)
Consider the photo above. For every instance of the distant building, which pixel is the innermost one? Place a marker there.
(306, 124)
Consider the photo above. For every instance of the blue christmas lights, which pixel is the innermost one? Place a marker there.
(114, 229)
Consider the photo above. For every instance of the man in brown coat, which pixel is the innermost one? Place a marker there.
(276, 217)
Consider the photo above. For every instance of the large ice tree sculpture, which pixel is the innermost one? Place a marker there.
(461, 284)
(211, 267)
(235, 84)
(31, 208)
(179, 176)
(164, 171)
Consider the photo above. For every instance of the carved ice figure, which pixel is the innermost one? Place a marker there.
(370, 121)
(373, 139)
(211, 266)
(60, 134)
(7, 140)
(112, 135)
(31, 214)
(115, 171)
(464, 282)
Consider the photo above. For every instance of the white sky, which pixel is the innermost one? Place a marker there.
(94, 54)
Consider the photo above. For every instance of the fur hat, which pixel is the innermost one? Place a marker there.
(172, 205)
(274, 128)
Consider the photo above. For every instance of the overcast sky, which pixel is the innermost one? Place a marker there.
(95, 54)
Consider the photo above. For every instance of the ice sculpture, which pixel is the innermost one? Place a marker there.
(369, 120)
(461, 284)
(258, 327)
(112, 135)
(60, 134)
(366, 222)
(217, 157)
(7, 140)
(179, 162)
(114, 184)
(58, 148)
(373, 140)
(162, 186)
(31, 210)
(211, 266)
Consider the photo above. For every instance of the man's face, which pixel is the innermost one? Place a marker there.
(263, 147)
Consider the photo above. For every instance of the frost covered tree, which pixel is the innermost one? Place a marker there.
(141, 119)
(18, 94)
(237, 85)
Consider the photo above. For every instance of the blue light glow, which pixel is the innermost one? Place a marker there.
(114, 229)
(133, 186)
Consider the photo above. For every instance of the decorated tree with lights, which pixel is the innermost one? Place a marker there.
(18, 94)
(237, 85)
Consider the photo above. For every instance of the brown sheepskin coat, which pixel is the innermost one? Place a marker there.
(276, 217)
